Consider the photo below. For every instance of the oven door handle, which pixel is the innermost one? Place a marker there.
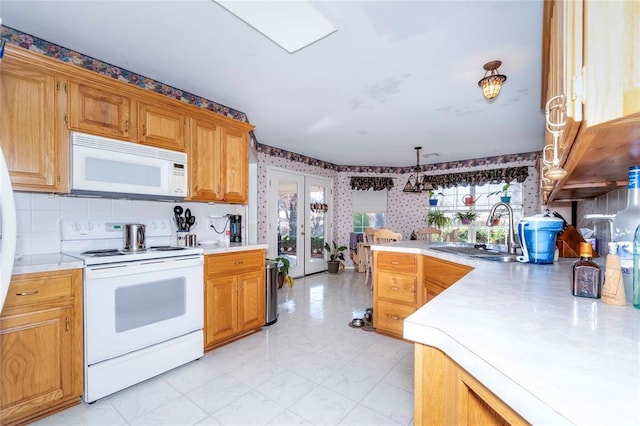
(141, 267)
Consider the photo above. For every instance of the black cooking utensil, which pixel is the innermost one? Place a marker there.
(177, 210)
(187, 219)
(191, 220)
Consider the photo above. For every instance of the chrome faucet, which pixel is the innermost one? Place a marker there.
(512, 244)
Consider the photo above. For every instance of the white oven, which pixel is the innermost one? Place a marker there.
(133, 305)
(142, 318)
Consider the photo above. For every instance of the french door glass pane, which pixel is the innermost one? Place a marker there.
(288, 220)
(317, 197)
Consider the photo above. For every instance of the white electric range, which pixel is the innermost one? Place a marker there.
(143, 310)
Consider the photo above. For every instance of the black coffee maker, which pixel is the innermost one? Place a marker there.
(235, 226)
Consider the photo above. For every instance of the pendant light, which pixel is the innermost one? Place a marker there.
(491, 83)
(416, 182)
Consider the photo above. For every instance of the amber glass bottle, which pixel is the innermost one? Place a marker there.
(586, 276)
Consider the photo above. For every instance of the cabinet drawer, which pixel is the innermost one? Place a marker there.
(389, 317)
(234, 263)
(443, 272)
(395, 287)
(397, 262)
(41, 287)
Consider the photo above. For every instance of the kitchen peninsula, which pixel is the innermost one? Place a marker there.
(515, 330)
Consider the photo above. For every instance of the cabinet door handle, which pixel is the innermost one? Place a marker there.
(27, 293)
(394, 288)
(239, 262)
(394, 317)
(395, 262)
(144, 130)
(126, 125)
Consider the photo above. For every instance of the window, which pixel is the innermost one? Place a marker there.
(369, 209)
(484, 197)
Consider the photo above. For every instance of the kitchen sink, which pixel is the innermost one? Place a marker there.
(477, 251)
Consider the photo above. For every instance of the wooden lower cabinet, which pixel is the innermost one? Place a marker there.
(439, 275)
(396, 290)
(403, 282)
(234, 295)
(41, 345)
(446, 394)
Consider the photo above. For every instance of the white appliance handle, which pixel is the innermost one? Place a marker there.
(111, 270)
(8, 223)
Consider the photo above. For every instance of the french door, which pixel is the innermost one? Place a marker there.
(299, 215)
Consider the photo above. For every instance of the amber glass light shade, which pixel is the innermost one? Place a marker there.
(492, 82)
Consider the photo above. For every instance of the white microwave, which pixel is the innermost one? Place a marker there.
(112, 168)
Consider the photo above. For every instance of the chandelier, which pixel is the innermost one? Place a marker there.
(492, 83)
(417, 181)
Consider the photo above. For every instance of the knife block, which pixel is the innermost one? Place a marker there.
(568, 243)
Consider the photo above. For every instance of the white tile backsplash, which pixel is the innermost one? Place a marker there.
(39, 215)
(45, 202)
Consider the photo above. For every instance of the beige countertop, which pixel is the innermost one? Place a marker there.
(552, 357)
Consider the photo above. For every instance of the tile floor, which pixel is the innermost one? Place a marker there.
(309, 368)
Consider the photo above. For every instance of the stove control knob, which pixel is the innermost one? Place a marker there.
(90, 226)
(76, 227)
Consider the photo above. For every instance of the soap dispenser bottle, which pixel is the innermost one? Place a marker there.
(586, 276)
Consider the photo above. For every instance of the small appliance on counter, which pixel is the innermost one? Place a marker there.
(235, 226)
(537, 236)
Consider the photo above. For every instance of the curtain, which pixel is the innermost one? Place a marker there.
(478, 177)
(364, 183)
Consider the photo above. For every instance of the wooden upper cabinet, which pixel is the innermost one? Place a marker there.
(161, 126)
(39, 95)
(612, 61)
(99, 111)
(218, 161)
(590, 55)
(236, 166)
(204, 157)
(28, 124)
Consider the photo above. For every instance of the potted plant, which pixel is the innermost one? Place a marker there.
(437, 218)
(466, 217)
(433, 201)
(505, 197)
(336, 256)
(283, 271)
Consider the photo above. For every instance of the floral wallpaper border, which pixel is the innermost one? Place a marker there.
(72, 57)
(528, 157)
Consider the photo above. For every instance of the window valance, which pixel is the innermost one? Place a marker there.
(364, 183)
(479, 177)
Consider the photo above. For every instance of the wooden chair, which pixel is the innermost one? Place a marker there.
(384, 235)
(368, 240)
(426, 233)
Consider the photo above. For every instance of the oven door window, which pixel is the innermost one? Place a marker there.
(144, 304)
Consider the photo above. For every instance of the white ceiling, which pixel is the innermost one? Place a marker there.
(396, 74)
